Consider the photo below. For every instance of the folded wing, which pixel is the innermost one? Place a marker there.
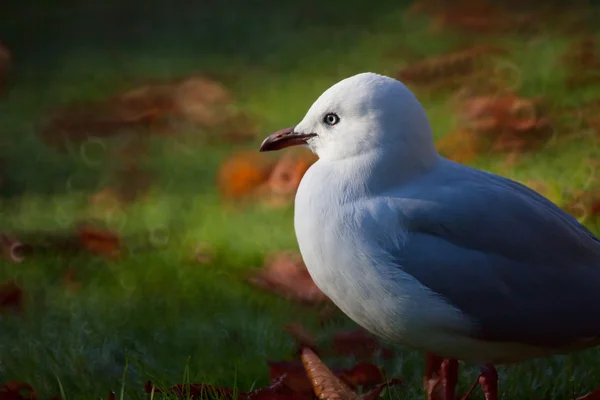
(520, 267)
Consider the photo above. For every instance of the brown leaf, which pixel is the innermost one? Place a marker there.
(285, 274)
(364, 374)
(359, 344)
(11, 296)
(155, 107)
(292, 375)
(101, 242)
(451, 69)
(461, 146)
(277, 391)
(325, 384)
(505, 122)
(14, 390)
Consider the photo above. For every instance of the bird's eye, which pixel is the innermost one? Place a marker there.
(331, 119)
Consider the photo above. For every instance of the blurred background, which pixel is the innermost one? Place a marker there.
(144, 237)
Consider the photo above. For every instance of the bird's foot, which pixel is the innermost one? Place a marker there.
(441, 378)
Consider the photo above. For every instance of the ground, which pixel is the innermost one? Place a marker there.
(157, 313)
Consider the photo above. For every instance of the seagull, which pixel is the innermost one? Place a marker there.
(457, 262)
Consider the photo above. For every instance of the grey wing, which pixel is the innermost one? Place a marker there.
(520, 267)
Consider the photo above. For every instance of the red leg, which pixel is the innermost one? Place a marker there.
(449, 375)
(431, 379)
(441, 377)
(489, 382)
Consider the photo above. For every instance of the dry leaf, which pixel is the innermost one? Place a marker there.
(242, 174)
(359, 344)
(448, 70)
(325, 384)
(595, 395)
(285, 274)
(301, 335)
(101, 242)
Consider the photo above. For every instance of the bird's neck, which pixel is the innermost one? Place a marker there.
(377, 171)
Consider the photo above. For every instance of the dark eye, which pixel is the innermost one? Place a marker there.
(331, 119)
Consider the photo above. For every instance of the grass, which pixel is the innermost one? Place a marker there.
(157, 312)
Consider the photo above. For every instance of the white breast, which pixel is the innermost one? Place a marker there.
(342, 241)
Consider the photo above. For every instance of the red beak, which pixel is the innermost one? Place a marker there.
(285, 138)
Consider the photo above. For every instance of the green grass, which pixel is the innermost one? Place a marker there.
(157, 311)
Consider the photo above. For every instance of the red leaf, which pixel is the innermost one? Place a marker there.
(595, 395)
(363, 374)
(360, 344)
(14, 390)
(11, 296)
(101, 242)
(277, 391)
(292, 375)
(286, 275)
(595, 208)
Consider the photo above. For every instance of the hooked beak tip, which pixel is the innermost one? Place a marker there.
(284, 138)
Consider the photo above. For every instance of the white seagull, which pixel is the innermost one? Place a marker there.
(428, 253)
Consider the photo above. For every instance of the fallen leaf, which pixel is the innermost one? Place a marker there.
(595, 395)
(101, 242)
(156, 107)
(11, 296)
(285, 274)
(301, 335)
(461, 146)
(276, 391)
(325, 384)
(242, 174)
(14, 390)
(292, 375)
(364, 374)
(452, 69)
(360, 344)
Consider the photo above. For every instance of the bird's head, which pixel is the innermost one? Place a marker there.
(362, 114)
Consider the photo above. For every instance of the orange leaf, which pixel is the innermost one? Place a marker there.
(325, 384)
(241, 174)
(101, 242)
